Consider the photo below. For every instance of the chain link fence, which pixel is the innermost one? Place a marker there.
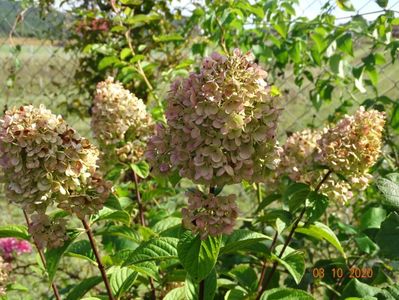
(36, 68)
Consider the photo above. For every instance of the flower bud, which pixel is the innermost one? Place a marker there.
(209, 214)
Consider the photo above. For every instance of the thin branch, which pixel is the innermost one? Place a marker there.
(98, 258)
(42, 258)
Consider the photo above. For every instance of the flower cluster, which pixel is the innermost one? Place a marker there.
(221, 124)
(4, 270)
(354, 144)
(208, 214)
(348, 148)
(120, 122)
(11, 246)
(50, 233)
(45, 161)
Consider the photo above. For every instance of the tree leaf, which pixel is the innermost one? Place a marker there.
(141, 19)
(210, 284)
(294, 262)
(168, 38)
(318, 207)
(83, 287)
(53, 256)
(241, 239)
(246, 277)
(197, 256)
(366, 245)
(345, 5)
(142, 169)
(107, 61)
(345, 43)
(355, 288)
(388, 236)
(112, 215)
(122, 279)
(390, 188)
(176, 294)
(382, 3)
(285, 294)
(322, 232)
(296, 195)
(16, 231)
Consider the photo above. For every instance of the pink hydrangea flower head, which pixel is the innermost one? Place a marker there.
(11, 246)
(221, 123)
(208, 214)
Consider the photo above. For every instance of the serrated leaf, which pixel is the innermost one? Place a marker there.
(81, 249)
(322, 232)
(245, 276)
(176, 294)
(210, 286)
(122, 279)
(390, 188)
(53, 256)
(296, 195)
(319, 204)
(156, 249)
(83, 287)
(142, 169)
(285, 294)
(197, 256)
(294, 262)
(109, 215)
(16, 231)
(241, 239)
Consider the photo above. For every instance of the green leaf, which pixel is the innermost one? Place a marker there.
(125, 53)
(141, 19)
(237, 293)
(197, 256)
(285, 294)
(83, 287)
(345, 5)
(110, 215)
(345, 43)
(388, 236)
(366, 245)
(155, 249)
(372, 218)
(294, 262)
(53, 256)
(322, 232)
(107, 61)
(267, 200)
(359, 83)
(210, 284)
(176, 294)
(281, 28)
(390, 188)
(168, 38)
(395, 118)
(296, 195)
(122, 280)
(245, 276)
(131, 2)
(355, 288)
(81, 249)
(382, 3)
(16, 231)
(17, 287)
(320, 42)
(241, 239)
(319, 205)
(142, 169)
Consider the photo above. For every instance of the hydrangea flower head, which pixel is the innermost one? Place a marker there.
(11, 246)
(209, 214)
(354, 144)
(120, 122)
(4, 270)
(48, 232)
(221, 123)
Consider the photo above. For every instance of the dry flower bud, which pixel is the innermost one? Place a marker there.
(48, 233)
(209, 214)
(221, 124)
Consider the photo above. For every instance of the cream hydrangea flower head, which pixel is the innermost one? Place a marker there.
(44, 161)
(208, 214)
(354, 144)
(4, 270)
(221, 123)
(120, 122)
